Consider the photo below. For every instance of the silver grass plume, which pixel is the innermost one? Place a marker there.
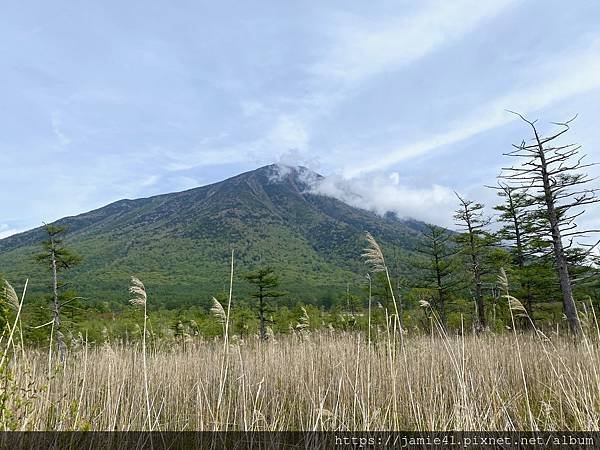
(503, 279)
(514, 303)
(270, 334)
(10, 295)
(138, 291)
(304, 320)
(373, 254)
(218, 310)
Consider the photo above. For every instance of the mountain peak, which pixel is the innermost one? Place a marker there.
(278, 172)
(301, 178)
(298, 173)
(270, 215)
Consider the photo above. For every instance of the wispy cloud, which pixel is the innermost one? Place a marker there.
(574, 75)
(150, 180)
(57, 129)
(357, 49)
(361, 47)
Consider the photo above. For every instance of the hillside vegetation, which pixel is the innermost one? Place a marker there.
(179, 243)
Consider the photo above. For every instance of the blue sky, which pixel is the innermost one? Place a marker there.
(399, 102)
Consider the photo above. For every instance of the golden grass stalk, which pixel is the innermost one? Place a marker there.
(225, 360)
(303, 320)
(140, 298)
(11, 292)
(516, 305)
(218, 311)
(373, 256)
(459, 382)
(11, 297)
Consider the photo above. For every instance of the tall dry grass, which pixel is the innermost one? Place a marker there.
(378, 380)
(319, 381)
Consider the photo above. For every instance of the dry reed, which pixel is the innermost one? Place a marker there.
(319, 381)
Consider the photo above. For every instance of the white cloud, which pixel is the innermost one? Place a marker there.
(280, 171)
(362, 48)
(150, 180)
(288, 133)
(571, 76)
(295, 157)
(387, 193)
(57, 129)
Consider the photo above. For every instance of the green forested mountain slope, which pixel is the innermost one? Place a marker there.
(179, 243)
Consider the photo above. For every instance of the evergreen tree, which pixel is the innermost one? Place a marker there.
(58, 258)
(243, 321)
(437, 267)
(265, 280)
(475, 242)
(516, 233)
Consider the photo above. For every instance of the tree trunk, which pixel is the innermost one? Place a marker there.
(565, 282)
(261, 316)
(521, 265)
(60, 342)
(559, 252)
(478, 284)
(521, 262)
(440, 289)
(479, 300)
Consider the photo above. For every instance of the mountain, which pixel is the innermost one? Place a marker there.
(179, 244)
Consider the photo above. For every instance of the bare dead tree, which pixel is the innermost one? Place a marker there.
(551, 179)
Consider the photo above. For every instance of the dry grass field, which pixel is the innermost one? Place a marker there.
(318, 381)
(324, 380)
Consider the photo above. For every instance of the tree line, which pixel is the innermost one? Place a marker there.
(538, 240)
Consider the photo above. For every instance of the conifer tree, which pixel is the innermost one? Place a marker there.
(437, 266)
(265, 280)
(475, 242)
(58, 258)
